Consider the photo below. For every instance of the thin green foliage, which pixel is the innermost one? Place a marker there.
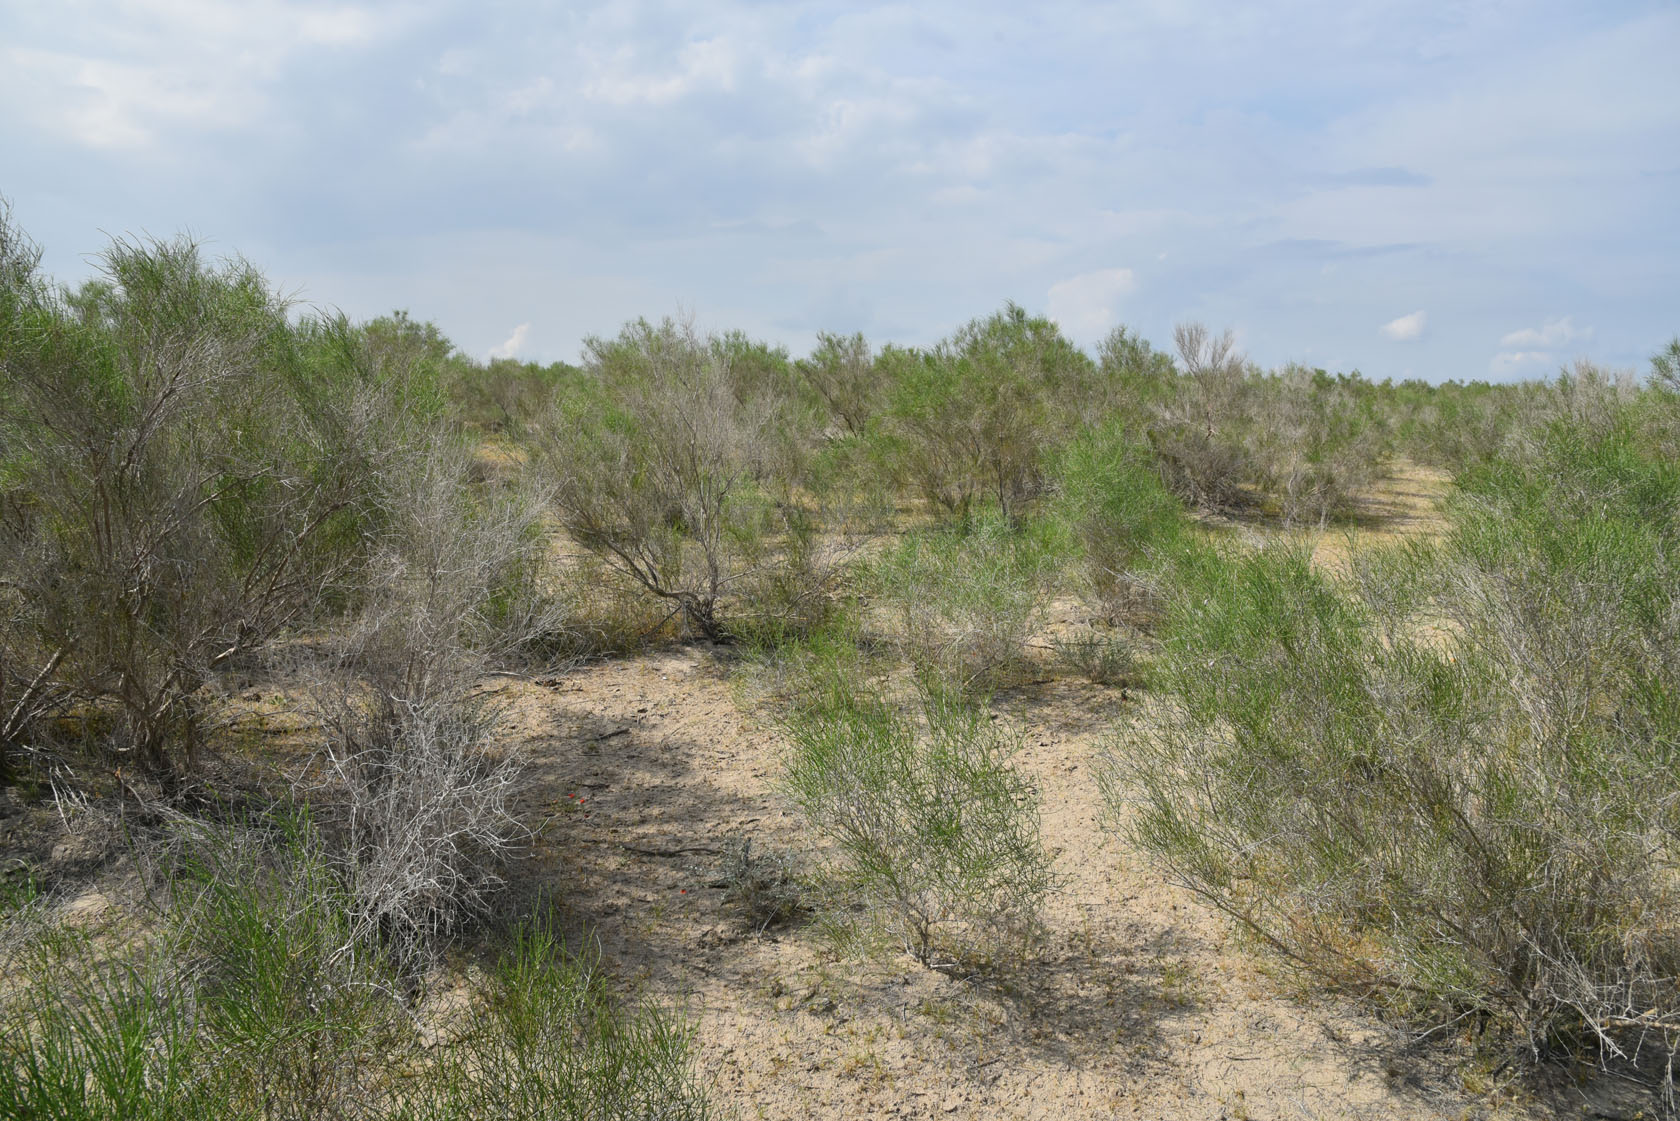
(184, 475)
(1110, 495)
(1451, 786)
(260, 994)
(676, 462)
(965, 600)
(931, 822)
(547, 1038)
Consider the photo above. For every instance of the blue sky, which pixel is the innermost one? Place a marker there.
(1470, 190)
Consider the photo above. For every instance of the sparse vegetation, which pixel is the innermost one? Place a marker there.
(1449, 787)
(761, 885)
(1120, 515)
(680, 478)
(964, 600)
(932, 823)
(260, 995)
(283, 596)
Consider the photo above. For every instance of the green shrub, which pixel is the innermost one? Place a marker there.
(253, 999)
(1133, 381)
(256, 991)
(667, 468)
(105, 1040)
(1452, 789)
(183, 475)
(294, 1004)
(966, 599)
(1101, 658)
(506, 397)
(1319, 444)
(547, 1039)
(972, 418)
(1112, 498)
(842, 372)
(1458, 425)
(932, 824)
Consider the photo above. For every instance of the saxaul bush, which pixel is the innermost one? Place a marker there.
(183, 475)
(1450, 786)
(1120, 516)
(1659, 406)
(504, 397)
(972, 419)
(191, 480)
(1200, 432)
(1319, 444)
(964, 600)
(842, 372)
(251, 987)
(1298, 443)
(413, 787)
(932, 824)
(666, 465)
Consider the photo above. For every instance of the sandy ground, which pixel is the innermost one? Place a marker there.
(1143, 1004)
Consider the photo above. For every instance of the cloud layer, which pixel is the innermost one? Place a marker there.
(1297, 172)
(1407, 328)
(1090, 305)
(1555, 332)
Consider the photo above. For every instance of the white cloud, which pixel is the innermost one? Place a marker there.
(1406, 328)
(963, 194)
(1556, 332)
(1509, 362)
(1084, 305)
(104, 104)
(336, 27)
(515, 342)
(892, 168)
(126, 79)
(707, 64)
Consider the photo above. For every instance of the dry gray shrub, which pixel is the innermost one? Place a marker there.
(762, 886)
(1317, 446)
(1299, 441)
(423, 818)
(1198, 433)
(418, 795)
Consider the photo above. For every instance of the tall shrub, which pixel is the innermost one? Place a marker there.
(1452, 787)
(974, 417)
(663, 468)
(183, 474)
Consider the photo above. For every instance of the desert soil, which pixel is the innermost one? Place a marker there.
(1145, 1003)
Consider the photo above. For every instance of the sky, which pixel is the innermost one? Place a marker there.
(1472, 190)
